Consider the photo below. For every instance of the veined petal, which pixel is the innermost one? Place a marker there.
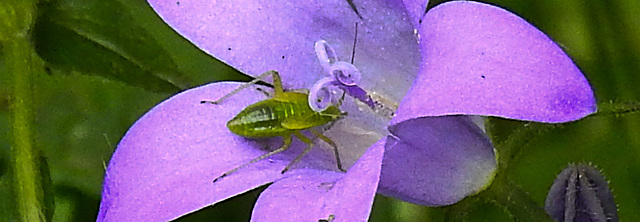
(315, 195)
(255, 36)
(483, 60)
(436, 161)
(164, 166)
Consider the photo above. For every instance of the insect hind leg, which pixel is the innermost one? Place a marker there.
(277, 84)
(332, 144)
(309, 143)
(286, 145)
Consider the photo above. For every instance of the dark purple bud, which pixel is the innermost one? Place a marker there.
(580, 193)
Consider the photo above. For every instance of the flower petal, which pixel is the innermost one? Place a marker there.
(316, 195)
(436, 161)
(164, 166)
(255, 36)
(479, 59)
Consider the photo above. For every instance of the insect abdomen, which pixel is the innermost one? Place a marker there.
(264, 119)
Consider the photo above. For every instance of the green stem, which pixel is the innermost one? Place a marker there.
(28, 187)
(617, 108)
(518, 203)
(509, 149)
(18, 19)
(506, 193)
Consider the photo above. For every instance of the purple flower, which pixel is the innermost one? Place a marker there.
(459, 59)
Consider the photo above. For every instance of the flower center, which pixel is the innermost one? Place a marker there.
(343, 78)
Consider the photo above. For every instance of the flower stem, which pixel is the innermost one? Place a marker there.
(510, 149)
(18, 19)
(617, 108)
(517, 202)
(27, 181)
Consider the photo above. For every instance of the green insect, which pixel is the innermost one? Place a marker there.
(285, 114)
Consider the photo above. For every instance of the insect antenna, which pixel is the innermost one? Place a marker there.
(355, 40)
(354, 8)
(353, 57)
(242, 87)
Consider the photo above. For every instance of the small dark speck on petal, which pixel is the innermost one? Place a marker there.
(229, 48)
(282, 57)
(177, 3)
(482, 76)
(482, 53)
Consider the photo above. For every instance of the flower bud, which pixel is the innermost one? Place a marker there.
(580, 193)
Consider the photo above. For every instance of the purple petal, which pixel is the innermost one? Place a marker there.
(255, 36)
(315, 195)
(483, 60)
(164, 166)
(436, 161)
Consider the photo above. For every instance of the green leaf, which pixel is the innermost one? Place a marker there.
(47, 186)
(101, 38)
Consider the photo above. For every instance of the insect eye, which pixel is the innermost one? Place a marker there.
(346, 73)
(320, 95)
(325, 54)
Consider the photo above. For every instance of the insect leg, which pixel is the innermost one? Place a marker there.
(264, 92)
(329, 219)
(286, 144)
(306, 140)
(335, 147)
(276, 82)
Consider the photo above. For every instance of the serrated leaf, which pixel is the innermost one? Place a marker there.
(101, 38)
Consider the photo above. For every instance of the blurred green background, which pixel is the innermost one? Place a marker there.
(80, 118)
